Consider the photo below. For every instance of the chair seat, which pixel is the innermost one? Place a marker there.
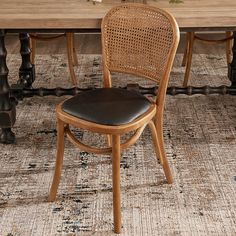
(107, 106)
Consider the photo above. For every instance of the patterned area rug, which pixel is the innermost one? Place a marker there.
(200, 138)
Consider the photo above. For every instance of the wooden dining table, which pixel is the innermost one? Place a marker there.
(53, 16)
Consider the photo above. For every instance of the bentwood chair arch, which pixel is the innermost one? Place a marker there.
(136, 39)
(70, 48)
(191, 37)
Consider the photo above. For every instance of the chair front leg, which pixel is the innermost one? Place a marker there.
(59, 160)
(116, 183)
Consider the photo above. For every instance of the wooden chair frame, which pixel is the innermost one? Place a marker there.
(153, 118)
(71, 51)
(188, 52)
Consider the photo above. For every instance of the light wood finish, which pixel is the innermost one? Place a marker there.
(191, 37)
(155, 142)
(59, 160)
(33, 50)
(71, 52)
(158, 141)
(108, 140)
(41, 14)
(188, 54)
(72, 57)
(116, 182)
(153, 56)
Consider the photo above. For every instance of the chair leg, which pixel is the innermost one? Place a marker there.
(155, 142)
(70, 58)
(185, 50)
(33, 49)
(116, 183)
(189, 58)
(109, 137)
(75, 58)
(59, 161)
(228, 47)
(160, 143)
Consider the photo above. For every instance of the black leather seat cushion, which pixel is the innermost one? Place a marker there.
(108, 106)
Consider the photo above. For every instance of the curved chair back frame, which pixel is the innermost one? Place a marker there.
(132, 45)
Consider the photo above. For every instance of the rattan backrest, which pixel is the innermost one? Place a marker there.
(139, 39)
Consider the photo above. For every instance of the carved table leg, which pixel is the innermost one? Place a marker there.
(232, 65)
(7, 104)
(27, 70)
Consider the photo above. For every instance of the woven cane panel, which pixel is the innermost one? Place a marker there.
(138, 40)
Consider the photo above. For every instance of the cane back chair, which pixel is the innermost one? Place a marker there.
(191, 37)
(136, 39)
(70, 47)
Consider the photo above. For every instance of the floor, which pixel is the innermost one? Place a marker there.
(200, 142)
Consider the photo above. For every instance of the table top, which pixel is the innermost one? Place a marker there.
(74, 14)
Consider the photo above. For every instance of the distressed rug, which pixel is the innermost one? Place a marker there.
(200, 139)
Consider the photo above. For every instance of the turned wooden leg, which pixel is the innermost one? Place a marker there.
(27, 69)
(59, 161)
(161, 145)
(7, 104)
(228, 46)
(70, 58)
(116, 183)
(189, 58)
(155, 142)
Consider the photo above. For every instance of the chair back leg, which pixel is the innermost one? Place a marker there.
(155, 142)
(158, 132)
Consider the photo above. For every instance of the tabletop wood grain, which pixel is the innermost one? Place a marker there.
(74, 14)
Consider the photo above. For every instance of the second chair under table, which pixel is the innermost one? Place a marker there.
(191, 37)
(70, 47)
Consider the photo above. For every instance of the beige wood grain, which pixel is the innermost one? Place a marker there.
(42, 14)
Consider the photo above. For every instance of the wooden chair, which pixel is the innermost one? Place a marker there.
(71, 52)
(188, 53)
(136, 39)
